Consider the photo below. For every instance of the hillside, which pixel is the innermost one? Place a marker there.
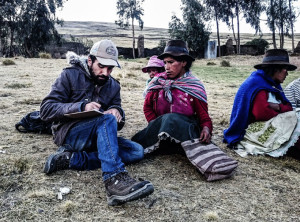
(98, 30)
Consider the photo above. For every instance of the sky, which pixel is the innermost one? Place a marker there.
(157, 13)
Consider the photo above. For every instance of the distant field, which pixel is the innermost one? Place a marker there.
(121, 37)
(98, 30)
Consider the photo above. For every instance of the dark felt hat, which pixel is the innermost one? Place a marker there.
(176, 48)
(276, 57)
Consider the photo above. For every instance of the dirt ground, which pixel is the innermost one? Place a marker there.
(263, 188)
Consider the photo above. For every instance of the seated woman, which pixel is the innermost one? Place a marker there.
(261, 121)
(176, 107)
(292, 92)
(154, 66)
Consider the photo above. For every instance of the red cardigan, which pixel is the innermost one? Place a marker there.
(261, 111)
(200, 108)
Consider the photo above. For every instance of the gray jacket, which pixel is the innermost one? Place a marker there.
(71, 90)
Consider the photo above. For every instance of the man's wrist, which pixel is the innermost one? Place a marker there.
(82, 107)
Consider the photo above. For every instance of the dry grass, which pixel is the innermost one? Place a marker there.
(44, 55)
(263, 188)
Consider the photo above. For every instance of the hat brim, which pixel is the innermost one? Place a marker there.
(108, 62)
(290, 67)
(145, 69)
(172, 54)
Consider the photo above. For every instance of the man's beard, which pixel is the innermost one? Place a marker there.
(100, 80)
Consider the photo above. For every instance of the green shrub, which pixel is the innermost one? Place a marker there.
(162, 44)
(44, 55)
(8, 62)
(211, 64)
(225, 63)
(88, 43)
(261, 44)
(17, 85)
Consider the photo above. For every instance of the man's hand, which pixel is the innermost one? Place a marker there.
(275, 106)
(205, 135)
(92, 105)
(114, 112)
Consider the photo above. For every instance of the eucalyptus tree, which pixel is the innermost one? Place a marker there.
(37, 27)
(271, 21)
(292, 21)
(192, 29)
(248, 9)
(9, 17)
(218, 10)
(281, 17)
(29, 24)
(130, 10)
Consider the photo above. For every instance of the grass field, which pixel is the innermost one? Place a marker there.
(263, 188)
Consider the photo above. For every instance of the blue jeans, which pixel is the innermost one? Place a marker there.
(95, 144)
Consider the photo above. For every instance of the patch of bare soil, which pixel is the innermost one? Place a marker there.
(263, 188)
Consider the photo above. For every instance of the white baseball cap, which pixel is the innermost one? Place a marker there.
(106, 53)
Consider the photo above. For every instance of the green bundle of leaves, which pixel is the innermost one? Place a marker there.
(266, 135)
(255, 127)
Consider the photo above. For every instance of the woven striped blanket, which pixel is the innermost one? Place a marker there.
(292, 93)
(210, 160)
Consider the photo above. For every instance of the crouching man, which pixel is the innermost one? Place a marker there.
(91, 143)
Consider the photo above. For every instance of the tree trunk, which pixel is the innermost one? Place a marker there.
(282, 37)
(292, 27)
(1, 49)
(218, 35)
(27, 51)
(233, 32)
(274, 38)
(273, 25)
(11, 54)
(133, 38)
(281, 25)
(238, 29)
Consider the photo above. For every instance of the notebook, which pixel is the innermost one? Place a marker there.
(84, 114)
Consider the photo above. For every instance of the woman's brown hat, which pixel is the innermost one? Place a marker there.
(176, 48)
(276, 57)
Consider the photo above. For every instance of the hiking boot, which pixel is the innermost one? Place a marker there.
(122, 188)
(57, 161)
